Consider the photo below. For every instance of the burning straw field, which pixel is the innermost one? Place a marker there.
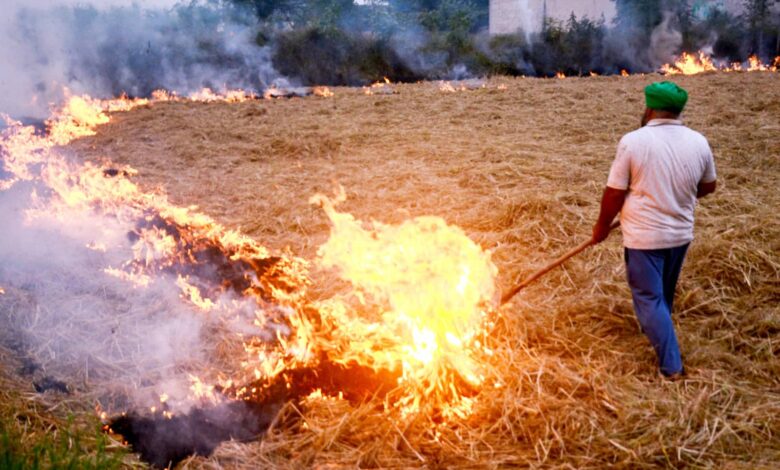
(387, 351)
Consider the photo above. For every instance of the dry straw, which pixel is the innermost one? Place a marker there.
(520, 169)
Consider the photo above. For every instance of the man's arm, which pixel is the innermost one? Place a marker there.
(611, 203)
(706, 188)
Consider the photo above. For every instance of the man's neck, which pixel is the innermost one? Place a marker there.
(663, 121)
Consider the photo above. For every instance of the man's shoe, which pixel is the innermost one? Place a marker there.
(676, 376)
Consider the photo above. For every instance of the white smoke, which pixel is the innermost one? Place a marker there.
(68, 318)
(117, 46)
(528, 19)
(665, 42)
(73, 321)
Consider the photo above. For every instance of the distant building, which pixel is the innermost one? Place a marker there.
(528, 16)
(513, 16)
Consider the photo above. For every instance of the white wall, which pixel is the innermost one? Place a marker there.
(511, 16)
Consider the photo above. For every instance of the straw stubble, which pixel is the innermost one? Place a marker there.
(521, 170)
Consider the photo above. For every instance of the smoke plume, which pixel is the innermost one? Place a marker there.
(127, 48)
(107, 290)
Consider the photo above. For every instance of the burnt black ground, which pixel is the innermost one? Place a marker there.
(163, 442)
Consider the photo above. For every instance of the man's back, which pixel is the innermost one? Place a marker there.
(659, 173)
(661, 165)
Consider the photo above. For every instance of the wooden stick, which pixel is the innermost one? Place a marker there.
(573, 252)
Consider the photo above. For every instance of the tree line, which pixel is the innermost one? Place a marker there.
(343, 42)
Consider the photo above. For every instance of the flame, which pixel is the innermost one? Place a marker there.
(734, 67)
(624, 73)
(193, 294)
(322, 91)
(465, 85)
(168, 242)
(755, 65)
(560, 75)
(207, 95)
(202, 391)
(419, 297)
(689, 64)
(380, 87)
(447, 87)
(593, 74)
(422, 293)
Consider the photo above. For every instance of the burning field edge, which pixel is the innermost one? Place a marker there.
(517, 164)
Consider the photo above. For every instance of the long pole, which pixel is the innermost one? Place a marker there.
(573, 252)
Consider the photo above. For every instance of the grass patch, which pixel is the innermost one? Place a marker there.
(24, 447)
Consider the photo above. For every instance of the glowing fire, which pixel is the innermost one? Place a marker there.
(382, 87)
(624, 73)
(420, 290)
(168, 240)
(447, 87)
(230, 96)
(560, 75)
(464, 85)
(322, 91)
(423, 288)
(690, 64)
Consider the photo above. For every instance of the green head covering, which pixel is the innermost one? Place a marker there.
(666, 96)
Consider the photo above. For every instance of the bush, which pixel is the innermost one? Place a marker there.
(508, 55)
(332, 56)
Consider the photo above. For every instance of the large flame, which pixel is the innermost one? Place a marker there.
(692, 64)
(418, 297)
(423, 288)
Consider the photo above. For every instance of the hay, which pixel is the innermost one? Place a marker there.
(520, 170)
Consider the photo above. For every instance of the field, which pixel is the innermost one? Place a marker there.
(519, 165)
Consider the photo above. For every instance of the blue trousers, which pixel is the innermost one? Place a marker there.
(652, 276)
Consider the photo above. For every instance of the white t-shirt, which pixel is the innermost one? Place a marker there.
(661, 165)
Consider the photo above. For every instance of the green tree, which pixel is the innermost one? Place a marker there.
(639, 16)
(758, 19)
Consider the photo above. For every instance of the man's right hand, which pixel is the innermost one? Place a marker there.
(705, 188)
(600, 232)
(611, 203)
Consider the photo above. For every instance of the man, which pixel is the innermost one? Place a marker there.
(658, 174)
